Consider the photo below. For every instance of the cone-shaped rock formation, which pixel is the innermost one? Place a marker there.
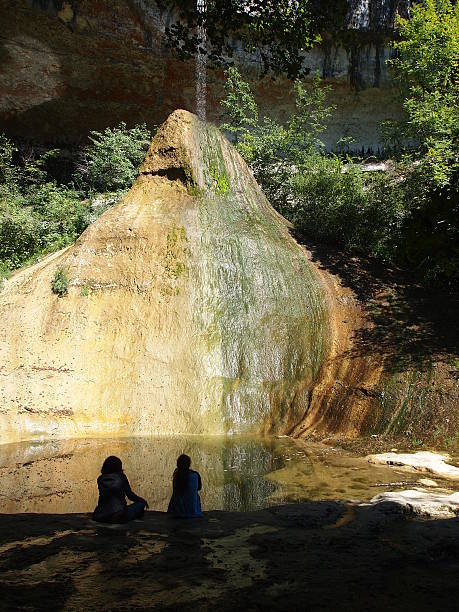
(190, 308)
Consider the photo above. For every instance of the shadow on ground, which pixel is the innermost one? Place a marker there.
(313, 556)
(408, 322)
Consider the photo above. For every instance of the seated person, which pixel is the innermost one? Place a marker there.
(185, 501)
(113, 489)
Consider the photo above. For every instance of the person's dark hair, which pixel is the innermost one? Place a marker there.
(180, 479)
(111, 464)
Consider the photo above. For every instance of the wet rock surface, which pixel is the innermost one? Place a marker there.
(312, 556)
(190, 309)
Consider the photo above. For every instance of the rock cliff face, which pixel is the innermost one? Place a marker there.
(68, 67)
(190, 308)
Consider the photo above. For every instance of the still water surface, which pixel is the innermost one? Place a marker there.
(238, 474)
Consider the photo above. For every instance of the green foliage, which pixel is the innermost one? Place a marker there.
(111, 161)
(19, 232)
(61, 214)
(278, 30)
(221, 180)
(21, 177)
(275, 151)
(340, 203)
(38, 215)
(324, 196)
(239, 105)
(408, 215)
(60, 282)
(426, 69)
(8, 173)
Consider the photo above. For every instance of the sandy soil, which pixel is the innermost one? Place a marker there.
(315, 556)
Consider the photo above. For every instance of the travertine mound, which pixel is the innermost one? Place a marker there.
(190, 309)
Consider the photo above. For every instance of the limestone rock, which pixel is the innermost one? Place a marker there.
(421, 503)
(422, 461)
(190, 309)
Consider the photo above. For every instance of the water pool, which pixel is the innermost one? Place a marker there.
(239, 474)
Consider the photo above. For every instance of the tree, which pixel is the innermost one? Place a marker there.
(278, 30)
(273, 150)
(427, 70)
(111, 161)
(400, 216)
(39, 215)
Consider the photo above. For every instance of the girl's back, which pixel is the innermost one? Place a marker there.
(185, 501)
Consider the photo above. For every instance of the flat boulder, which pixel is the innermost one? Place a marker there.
(422, 461)
(420, 503)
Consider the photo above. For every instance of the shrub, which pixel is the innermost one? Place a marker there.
(275, 151)
(38, 215)
(406, 216)
(19, 229)
(111, 161)
(47, 218)
(60, 282)
(322, 196)
(61, 214)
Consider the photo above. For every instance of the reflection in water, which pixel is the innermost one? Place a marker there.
(245, 487)
(239, 474)
(60, 476)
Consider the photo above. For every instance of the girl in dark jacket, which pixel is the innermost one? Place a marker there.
(113, 489)
(185, 501)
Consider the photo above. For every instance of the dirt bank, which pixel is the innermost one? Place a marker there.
(315, 556)
(392, 376)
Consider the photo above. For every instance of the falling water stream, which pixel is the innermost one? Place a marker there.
(201, 84)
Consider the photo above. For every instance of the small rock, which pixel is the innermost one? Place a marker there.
(427, 482)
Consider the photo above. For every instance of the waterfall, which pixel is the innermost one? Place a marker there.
(360, 15)
(201, 84)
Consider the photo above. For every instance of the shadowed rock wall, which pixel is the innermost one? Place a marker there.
(68, 67)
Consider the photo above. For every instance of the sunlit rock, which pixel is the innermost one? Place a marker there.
(189, 308)
(421, 503)
(422, 461)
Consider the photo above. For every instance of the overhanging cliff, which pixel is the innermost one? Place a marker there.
(68, 67)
